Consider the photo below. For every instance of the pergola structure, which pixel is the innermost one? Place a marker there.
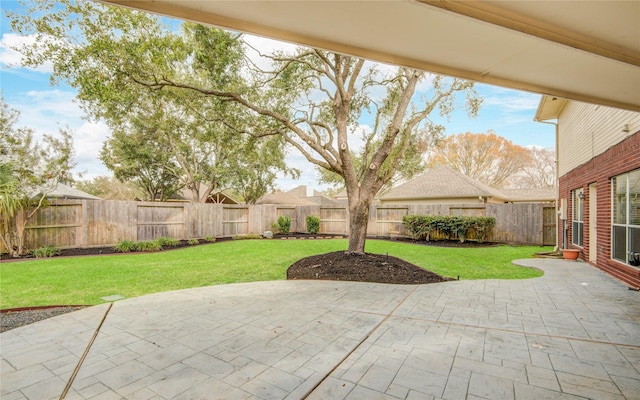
(580, 50)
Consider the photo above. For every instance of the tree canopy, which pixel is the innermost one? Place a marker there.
(163, 140)
(487, 157)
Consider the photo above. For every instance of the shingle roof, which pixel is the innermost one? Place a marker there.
(539, 194)
(441, 182)
(67, 192)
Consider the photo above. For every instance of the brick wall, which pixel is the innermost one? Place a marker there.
(621, 158)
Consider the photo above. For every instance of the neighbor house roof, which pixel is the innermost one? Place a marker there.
(63, 191)
(524, 195)
(440, 183)
(297, 196)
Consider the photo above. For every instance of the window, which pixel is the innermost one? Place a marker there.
(625, 219)
(577, 206)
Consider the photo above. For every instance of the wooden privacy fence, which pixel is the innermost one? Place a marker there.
(86, 223)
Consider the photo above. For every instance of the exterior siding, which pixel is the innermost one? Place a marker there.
(586, 130)
(618, 159)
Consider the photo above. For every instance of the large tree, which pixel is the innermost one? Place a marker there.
(30, 168)
(315, 101)
(487, 157)
(165, 140)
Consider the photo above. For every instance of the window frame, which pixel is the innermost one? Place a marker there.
(577, 217)
(621, 206)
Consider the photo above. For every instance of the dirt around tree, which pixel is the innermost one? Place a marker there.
(379, 268)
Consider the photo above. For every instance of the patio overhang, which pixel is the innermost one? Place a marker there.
(581, 50)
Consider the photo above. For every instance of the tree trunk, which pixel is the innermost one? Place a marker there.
(358, 222)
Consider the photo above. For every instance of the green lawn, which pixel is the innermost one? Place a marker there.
(84, 280)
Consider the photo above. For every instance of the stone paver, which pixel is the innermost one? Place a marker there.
(572, 334)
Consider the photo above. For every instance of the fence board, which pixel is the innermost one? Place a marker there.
(85, 223)
(389, 219)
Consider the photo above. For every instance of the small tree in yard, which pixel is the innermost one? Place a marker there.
(29, 171)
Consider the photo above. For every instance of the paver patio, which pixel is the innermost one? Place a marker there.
(572, 334)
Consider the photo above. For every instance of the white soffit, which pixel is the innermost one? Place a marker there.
(581, 50)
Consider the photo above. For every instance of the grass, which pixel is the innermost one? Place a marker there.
(85, 280)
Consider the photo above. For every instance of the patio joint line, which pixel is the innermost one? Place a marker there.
(84, 355)
(634, 346)
(357, 346)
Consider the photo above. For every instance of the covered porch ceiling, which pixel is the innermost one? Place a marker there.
(581, 50)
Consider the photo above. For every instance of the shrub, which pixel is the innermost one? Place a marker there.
(167, 242)
(284, 224)
(193, 242)
(46, 251)
(483, 227)
(210, 239)
(126, 246)
(420, 227)
(149, 246)
(313, 224)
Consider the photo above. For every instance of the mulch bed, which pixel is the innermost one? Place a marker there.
(380, 268)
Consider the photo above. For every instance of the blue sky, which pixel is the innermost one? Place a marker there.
(47, 108)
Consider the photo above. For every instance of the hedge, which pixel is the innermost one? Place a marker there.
(420, 227)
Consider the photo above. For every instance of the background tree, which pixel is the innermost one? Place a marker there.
(540, 171)
(140, 158)
(487, 157)
(166, 140)
(255, 174)
(29, 170)
(110, 188)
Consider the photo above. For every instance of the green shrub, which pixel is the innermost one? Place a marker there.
(244, 237)
(284, 224)
(46, 251)
(193, 242)
(483, 227)
(420, 227)
(210, 239)
(313, 224)
(126, 246)
(167, 242)
(150, 245)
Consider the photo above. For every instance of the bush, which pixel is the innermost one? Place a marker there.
(167, 242)
(46, 251)
(126, 246)
(193, 242)
(420, 227)
(483, 227)
(284, 224)
(149, 246)
(210, 239)
(313, 224)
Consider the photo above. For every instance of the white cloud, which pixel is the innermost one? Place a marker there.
(11, 60)
(510, 100)
(48, 111)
